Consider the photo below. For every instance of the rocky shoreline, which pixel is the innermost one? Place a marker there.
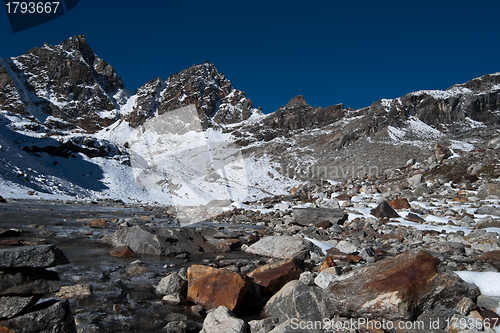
(365, 255)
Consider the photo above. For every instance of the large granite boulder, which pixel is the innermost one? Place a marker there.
(161, 241)
(223, 320)
(212, 287)
(306, 216)
(396, 289)
(32, 256)
(280, 247)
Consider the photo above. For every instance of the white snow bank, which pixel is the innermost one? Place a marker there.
(323, 246)
(487, 282)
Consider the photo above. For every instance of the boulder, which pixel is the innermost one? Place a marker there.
(161, 241)
(384, 210)
(9, 232)
(415, 180)
(136, 270)
(306, 216)
(272, 277)
(396, 289)
(78, 291)
(122, 252)
(173, 286)
(326, 277)
(222, 319)
(11, 306)
(32, 256)
(488, 302)
(212, 287)
(98, 223)
(296, 300)
(399, 203)
(492, 257)
(52, 316)
(28, 281)
(488, 189)
(346, 247)
(488, 210)
(446, 249)
(280, 247)
(2, 200)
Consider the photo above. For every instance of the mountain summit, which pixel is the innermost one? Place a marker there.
(202, 85)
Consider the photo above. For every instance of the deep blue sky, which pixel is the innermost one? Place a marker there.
(351, 52)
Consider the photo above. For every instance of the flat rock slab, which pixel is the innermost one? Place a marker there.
(11, 306)
(41, 256)
(48, 317)
(28, 281)
(161, 241)
(77, 291)
(280, 247)
(212, 287)
(272, 277)
(306, 216)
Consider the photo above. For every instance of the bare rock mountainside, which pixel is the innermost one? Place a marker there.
(69, 128)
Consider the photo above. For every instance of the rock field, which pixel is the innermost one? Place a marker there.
(378, 254)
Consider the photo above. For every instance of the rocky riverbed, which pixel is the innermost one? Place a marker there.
(418, 246)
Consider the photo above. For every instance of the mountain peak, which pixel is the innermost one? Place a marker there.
(296, 102)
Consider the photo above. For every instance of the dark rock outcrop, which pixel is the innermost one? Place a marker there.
(49, 317)
(67, 81)
(396, 289)
(35, 256)
(201, 85)
(161, 241)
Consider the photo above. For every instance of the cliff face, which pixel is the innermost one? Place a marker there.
(69, 82)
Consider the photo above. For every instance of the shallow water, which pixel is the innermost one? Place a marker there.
(119, 303)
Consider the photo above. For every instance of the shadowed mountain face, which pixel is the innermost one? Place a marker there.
(67, 94)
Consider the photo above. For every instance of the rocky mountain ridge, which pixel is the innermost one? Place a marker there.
(63, 104)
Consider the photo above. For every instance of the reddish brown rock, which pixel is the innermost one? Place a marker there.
(492, 257)
(460, 198)
(414, 218)
(322, 224)
(327, 263)
(399, 203)
(122, 252)
(9, 242)
(212, 287)
(272, 277)
(491, 316)
(98, 223)
(396, 289)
